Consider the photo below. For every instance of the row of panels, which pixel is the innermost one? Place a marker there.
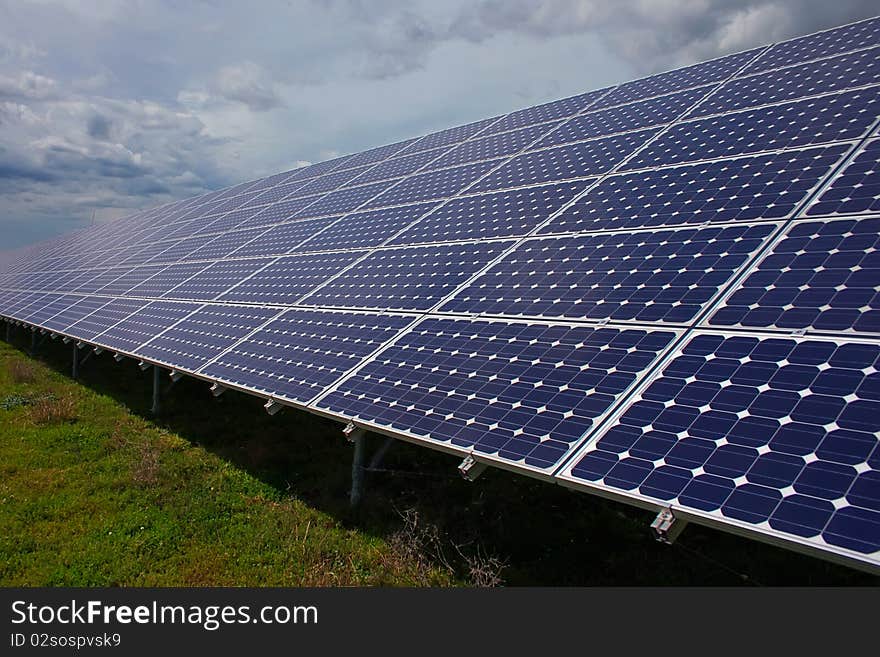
(819, 275)
(777, 433)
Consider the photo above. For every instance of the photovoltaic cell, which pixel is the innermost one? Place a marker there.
(853, 70)
(837, 117)
(331, 181)
(287, 279)
(492, 146)
(225, 244)
(767, 186)
(557, 109)
(52, 306)
(823, 275)
(406, 278)
(663, 83)
(279, 212)
(624, 118)
(662, 276)
(143, 324)
(72, 314)
(564, 162)
(500, 214)
(525, 393)
(103, 318)
(124, 283)
(364, 229)
(214, 280)
(345, 200)
(778, 433)
(285, 238)
(297, 355)
(432, 185)
(399, 166)
(822, 44)
(205, 334)
(166, 280)
(856, 189)
(448, 136)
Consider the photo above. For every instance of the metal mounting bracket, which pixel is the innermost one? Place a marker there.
(118, 357)
(471, 468)
(144, 365)
(352, 432)
(272, 406)
(217, 389)
(666, 527)
(175, 375)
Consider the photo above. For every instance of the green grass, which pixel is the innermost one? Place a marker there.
(95, 491)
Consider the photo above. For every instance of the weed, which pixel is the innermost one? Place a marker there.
(21, 371)
(54, 410)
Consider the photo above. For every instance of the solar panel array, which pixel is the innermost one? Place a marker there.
(665, 292)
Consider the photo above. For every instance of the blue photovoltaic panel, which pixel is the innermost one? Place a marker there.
(234, 202)
(837, 117)
(101, 278)
(180, 249)
(279, 192)
(525, 393)
(203, 335)
(448, 136)
(853, 70)
(376, 154)
(225, 244)
(331, 181)
(715, 70)
(279, 212)
(285, 238)
(823, 275)
(624, 118)
(822, 44)
(144, 254)
(564, 162)
(72, 314)
(144, 324)
(399, 166)
(166, 280)
(214, 280)
(287, 279)
(124, 283)
(314, 170)
(500, 214)
(345, 200)
(652, 276)
(492, 146)
(103, 318)
(297, 355)
(74, 280)
(752, 187)
(32, 304)
(778, 433)
(557, 109)
(856, 189)
(406, 278)
(432, 185)
(51, 307)
(364, 229)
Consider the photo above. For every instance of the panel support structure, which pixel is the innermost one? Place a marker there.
(157, 390)
(359, 438)
(666, 527)
(33, 350)
(74, 373)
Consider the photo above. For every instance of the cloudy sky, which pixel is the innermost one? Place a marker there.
(108, 106)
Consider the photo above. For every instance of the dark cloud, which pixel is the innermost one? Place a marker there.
(99, 126)
(656, 35)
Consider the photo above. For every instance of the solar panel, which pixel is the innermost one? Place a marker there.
(665, 292)
(776, 433)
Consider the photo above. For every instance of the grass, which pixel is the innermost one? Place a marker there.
(95, 491)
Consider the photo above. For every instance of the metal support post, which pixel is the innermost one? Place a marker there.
(9, 332)
(75, 369)
(33, 351)
(376, 461)
(359, 438)
(157, 373)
